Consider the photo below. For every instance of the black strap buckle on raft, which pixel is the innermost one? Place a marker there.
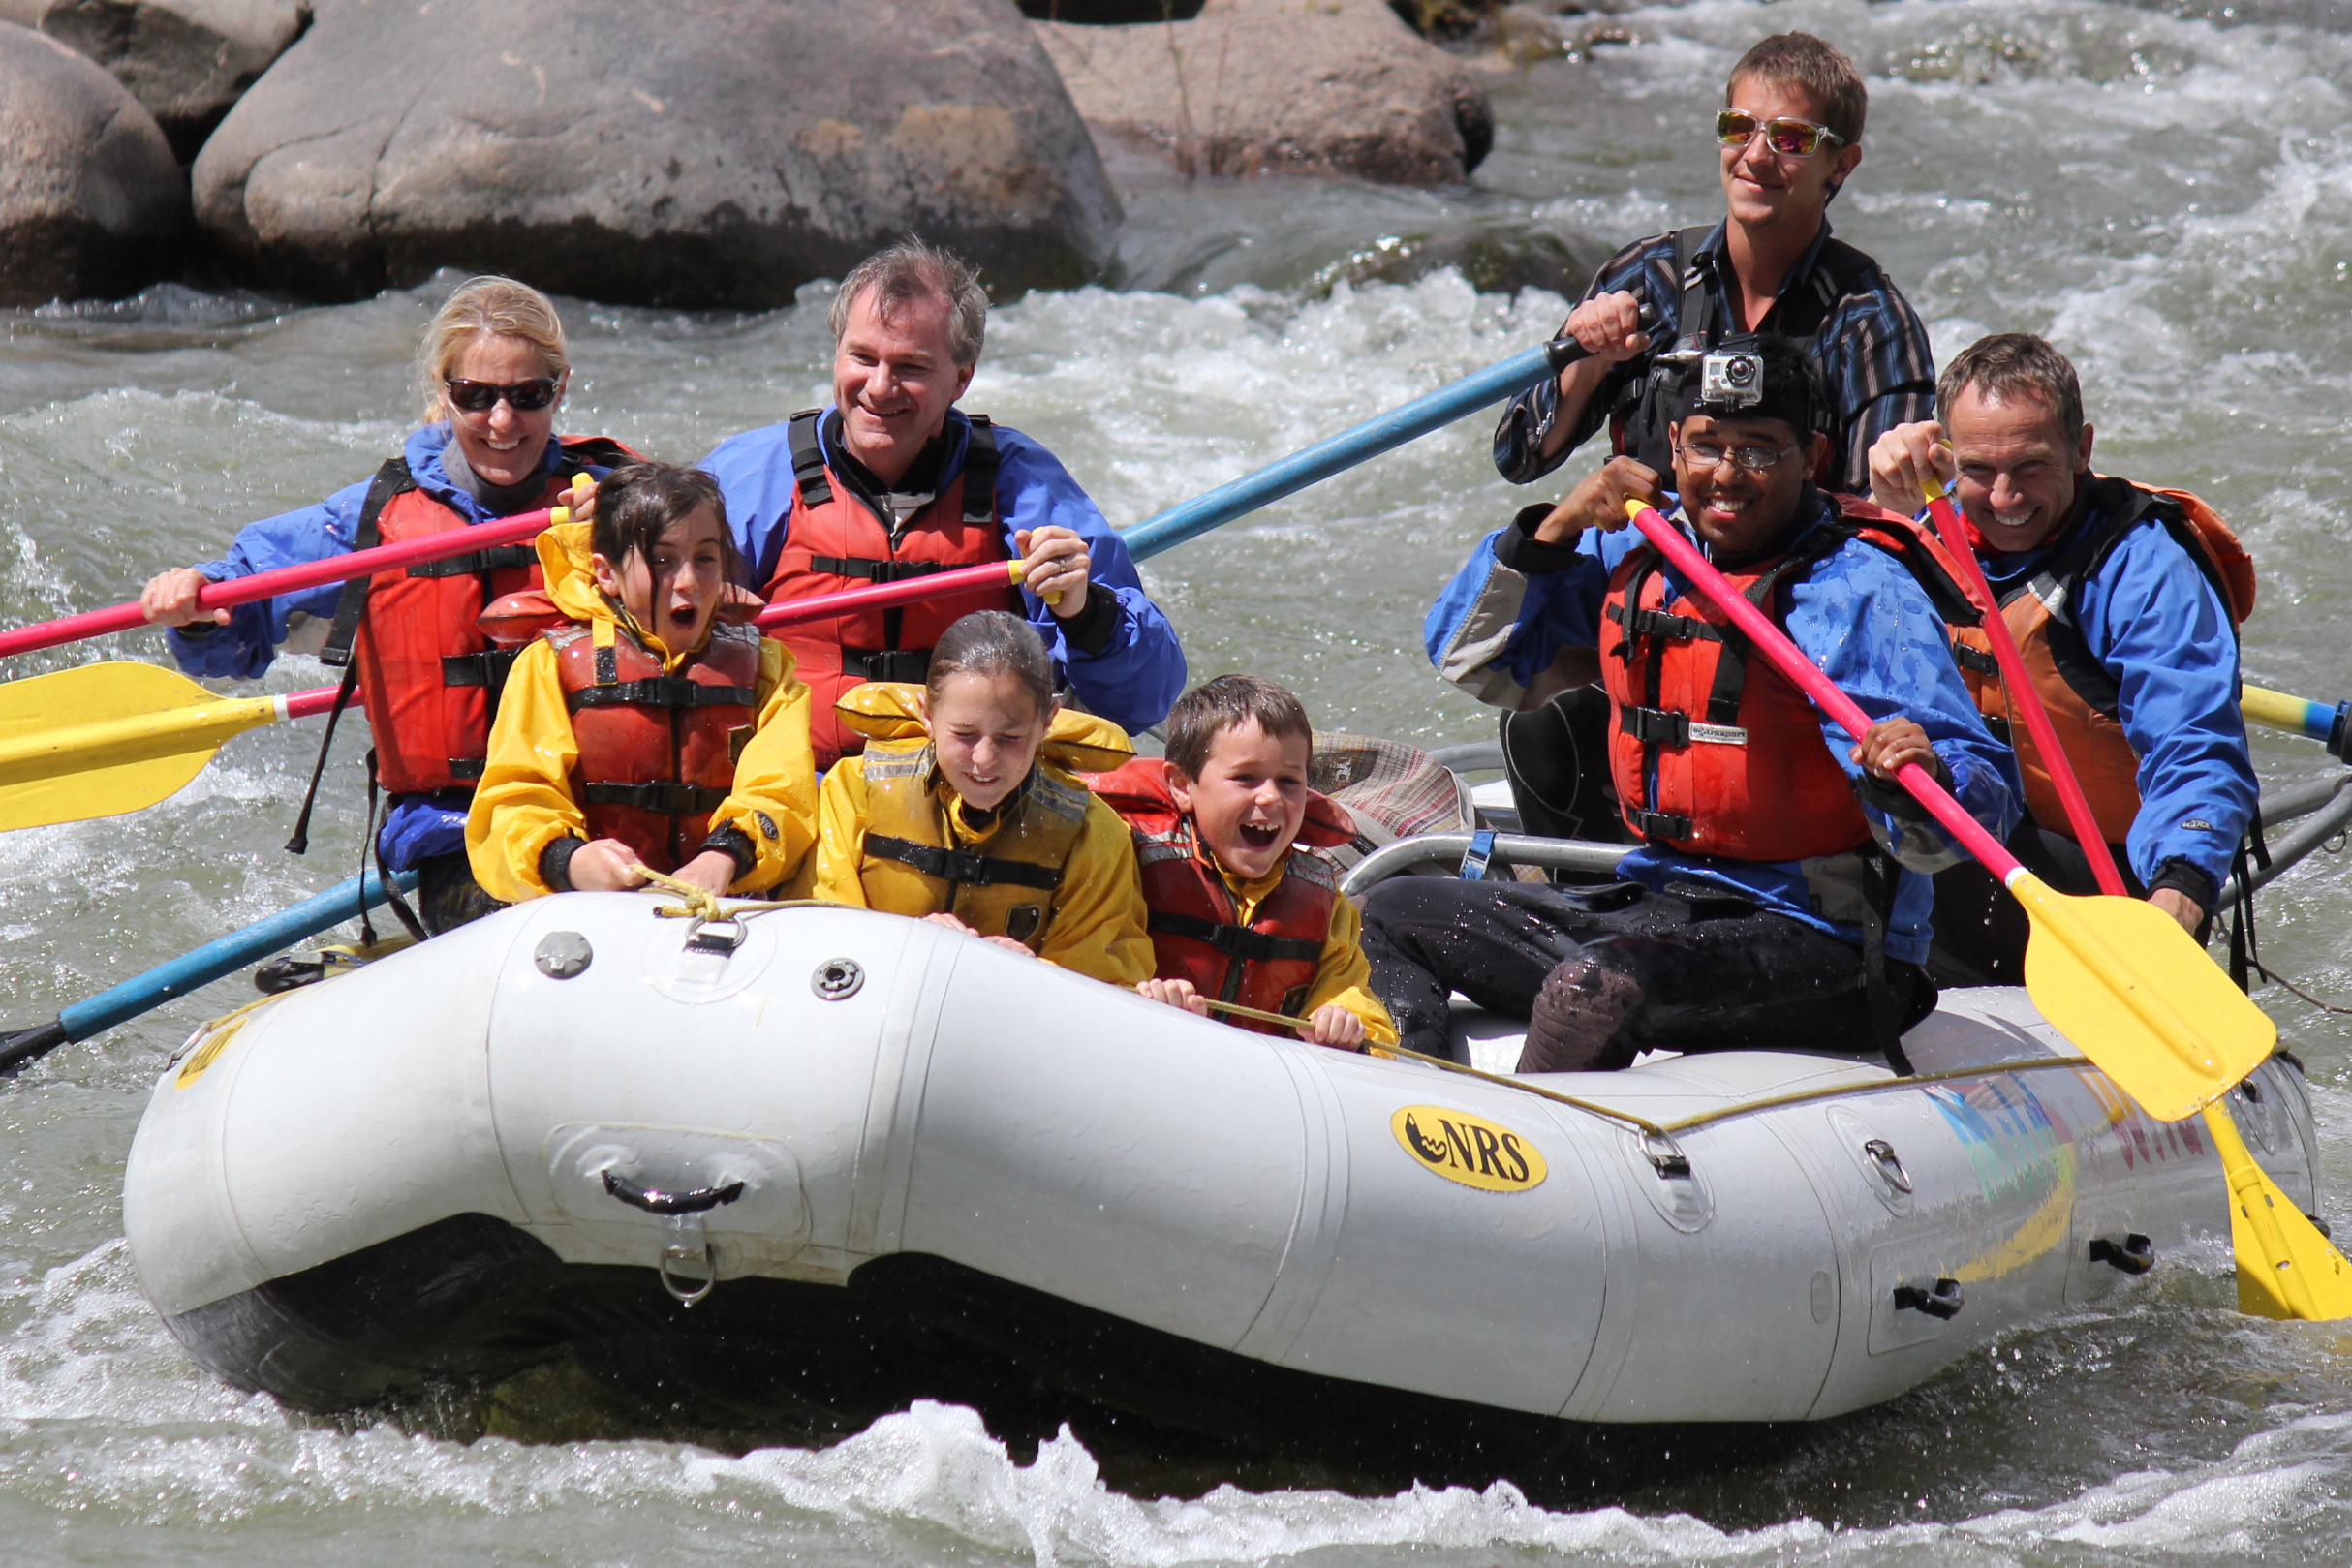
(963, 867)
(1942, 1300)
(1235, 941)
(654, 1201)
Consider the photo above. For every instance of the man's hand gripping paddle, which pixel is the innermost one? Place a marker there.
(2286, 1268)
(2117, 977)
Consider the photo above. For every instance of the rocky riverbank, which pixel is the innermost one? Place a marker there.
(694, 154)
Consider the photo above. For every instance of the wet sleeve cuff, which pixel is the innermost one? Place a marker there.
(2191, 881)
(1518, 548)
(1093, 628)
(1894, 800)
(555, 863)
(736, 845)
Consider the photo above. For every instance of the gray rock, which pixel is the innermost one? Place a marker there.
(690, 153)
(186, 60)
(1256, 86)
(90, 196)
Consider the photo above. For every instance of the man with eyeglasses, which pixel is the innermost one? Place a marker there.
(1790, 136)
(2124, 602)
(1775, 894)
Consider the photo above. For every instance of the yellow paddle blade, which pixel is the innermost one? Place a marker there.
(2135, 993)
(107, 738)
(2286, 1268)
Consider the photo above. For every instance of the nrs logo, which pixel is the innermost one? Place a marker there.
(1468, 1148)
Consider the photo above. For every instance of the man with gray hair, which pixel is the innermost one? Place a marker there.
(2124, 602)
(895, 481)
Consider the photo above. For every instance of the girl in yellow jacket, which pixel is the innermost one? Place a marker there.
(636, 732)
(964, 808)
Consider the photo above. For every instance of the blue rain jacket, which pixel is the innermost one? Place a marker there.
(1856, 613)
(415, 826)
(1133, 679)
(2154, 624)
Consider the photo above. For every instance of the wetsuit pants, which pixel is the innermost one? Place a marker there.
(1980, 931)
(1604, 973)
(448, 896)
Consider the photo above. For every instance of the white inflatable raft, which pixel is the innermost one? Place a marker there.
(889, 1161)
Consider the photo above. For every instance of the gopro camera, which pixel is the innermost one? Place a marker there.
(1731, 381)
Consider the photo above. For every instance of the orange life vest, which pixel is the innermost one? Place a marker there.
(1268, 963)
(2081, 697)
(1737, 752)
(657, 752)
(834, 542)
(429, 675)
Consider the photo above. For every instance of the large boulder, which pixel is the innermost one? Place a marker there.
(90, 196)
(690, 153)
(1263, 86)
(186, 60)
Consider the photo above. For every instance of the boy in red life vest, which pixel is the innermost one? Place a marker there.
(637, 732)
(1242, 908)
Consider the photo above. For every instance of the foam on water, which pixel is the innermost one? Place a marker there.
(2164, 187)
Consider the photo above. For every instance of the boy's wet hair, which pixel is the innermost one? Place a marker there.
(639, 504)
(989, 643)
(1820, 69)
(1228, 702)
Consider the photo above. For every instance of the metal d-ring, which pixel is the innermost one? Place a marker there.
(669, 1281)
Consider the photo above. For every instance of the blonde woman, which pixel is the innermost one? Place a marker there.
(491, 375)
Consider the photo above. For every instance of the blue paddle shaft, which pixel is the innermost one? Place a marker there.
(1194, 517)
(226, 955)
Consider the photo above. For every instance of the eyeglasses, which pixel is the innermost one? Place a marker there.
(1751, 459)
(1793, 138)
(481, 397)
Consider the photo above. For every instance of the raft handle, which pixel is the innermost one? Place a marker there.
(1943, 1301)
(656, 1202)
(1666, 1156)
(2134, 1254)
(1890, 1164)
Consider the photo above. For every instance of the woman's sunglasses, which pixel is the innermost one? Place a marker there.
(481, 397)
(1794, 139)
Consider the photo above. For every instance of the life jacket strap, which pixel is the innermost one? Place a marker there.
(496, 558)
(666, 796)
(1658, 824)
(486, 669)
(905, 666)
(808, 458)
(660, 691)
(1235, 941)
(964, 867)
(1639, 623)
(881, 572)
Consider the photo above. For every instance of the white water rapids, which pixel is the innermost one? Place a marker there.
(2165, 188)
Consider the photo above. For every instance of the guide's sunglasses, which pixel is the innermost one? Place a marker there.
(1794, 139)
(481, 397)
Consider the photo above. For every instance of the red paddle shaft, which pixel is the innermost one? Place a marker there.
(1774, 644)
(333, 568)
(2027, 698)
(883, 596)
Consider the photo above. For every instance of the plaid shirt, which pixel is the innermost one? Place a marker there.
(1873, 356)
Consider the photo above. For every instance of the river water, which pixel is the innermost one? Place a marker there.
(2164, 188)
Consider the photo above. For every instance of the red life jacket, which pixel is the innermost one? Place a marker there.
(2084, 701)
(1741, 767)
(834, 542)
(1268, 963)
(430, 675)
(657, 752)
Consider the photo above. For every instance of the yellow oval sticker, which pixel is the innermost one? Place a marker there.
(1468, 1148)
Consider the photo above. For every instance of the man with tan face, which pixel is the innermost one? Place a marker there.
(2124, 603)
(1776, 895)
(895, 481)
(1788, 137)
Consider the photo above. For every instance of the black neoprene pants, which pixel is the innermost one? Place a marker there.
(1712, 975)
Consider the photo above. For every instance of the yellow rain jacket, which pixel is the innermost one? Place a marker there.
(526, 799)
(1053, 867)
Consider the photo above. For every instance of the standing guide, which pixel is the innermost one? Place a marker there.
(1760, 905)
(2126, 604)
(895, 481)
(1790, 136)
(491, 374)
